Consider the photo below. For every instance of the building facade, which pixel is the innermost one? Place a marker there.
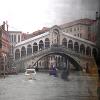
(4, 48)
(83, 28)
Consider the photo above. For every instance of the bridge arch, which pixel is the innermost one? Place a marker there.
(71, 59)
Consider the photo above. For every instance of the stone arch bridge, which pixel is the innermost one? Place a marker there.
(55, 41)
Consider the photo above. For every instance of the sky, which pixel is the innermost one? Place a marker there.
(32, 15)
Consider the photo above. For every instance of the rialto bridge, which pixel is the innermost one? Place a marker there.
(58, 44)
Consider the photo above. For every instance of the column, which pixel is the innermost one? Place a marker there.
(20, 53)
(26, 49)
(32, 48)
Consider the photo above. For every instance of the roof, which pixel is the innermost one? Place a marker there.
(43, 30)
(32, 38)
(14, 31)
(84, 21)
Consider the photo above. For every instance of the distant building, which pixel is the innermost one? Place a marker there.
(38, 32)
(4, 47)
(16, 37)
(83, 28)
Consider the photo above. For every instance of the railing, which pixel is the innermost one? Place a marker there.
(54, 49)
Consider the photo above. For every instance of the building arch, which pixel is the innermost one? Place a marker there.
(35, 47)
(76, 47)
(29, 49)
(88, 51)
(23, 51)
(94, 52)
(47, 43)
(56, 36)
(17, 54)
(82, 49)
(64, 42)
(70, 44)
(41, 45)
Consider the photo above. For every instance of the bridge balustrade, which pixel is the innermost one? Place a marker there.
(53, 49)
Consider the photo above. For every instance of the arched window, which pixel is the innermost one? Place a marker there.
(35, 47)
(59, 59)
(17, 54)
(82, 49)
(76, 47)
(88, 51)
(41, 45)
(23, 51)
(47, 43)
(29, 49)
(64, 42)
(94, 52)
(70, 44)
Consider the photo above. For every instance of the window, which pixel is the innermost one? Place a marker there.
(76, 47)
(78, 28)
(14, 38)
(10, 37)
(29, 50)
(18, 38)
(70, 44)
(70, 29)
(74, 29)
(35, 47)
(78, 35)
(88, 28)
(51, 57)
(64, 42)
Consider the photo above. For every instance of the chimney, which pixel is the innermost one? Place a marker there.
(7, 25)
(3, 26)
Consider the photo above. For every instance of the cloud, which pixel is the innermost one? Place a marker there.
(30, 15)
